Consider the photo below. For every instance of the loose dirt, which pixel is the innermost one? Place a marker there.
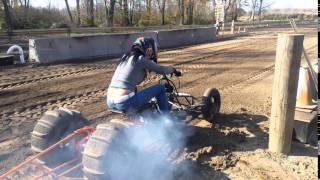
(234, 147)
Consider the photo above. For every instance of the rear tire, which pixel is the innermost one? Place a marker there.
(212, 103)
(51, 128)
(104, 147)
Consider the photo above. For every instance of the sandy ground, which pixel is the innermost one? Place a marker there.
(234, 147)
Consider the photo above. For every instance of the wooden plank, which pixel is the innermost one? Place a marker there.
(288, 59)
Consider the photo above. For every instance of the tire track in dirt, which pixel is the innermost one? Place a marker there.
(98, 67)
(68, 100)
(35, 110)
(244, 82)
(247, 80)
(63, 74)
(175, 52)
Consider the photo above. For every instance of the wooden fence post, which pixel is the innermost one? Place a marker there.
(284, 93)
(232, 27)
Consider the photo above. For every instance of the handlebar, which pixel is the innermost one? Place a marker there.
(178, 73)
(169, 76)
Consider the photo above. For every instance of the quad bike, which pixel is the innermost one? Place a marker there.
(65, 144)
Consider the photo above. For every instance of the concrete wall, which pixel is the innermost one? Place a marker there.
(183, 37)
(52, 50)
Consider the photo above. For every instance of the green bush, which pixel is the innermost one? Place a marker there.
(36, 18)
(146, 21)
(2, 24)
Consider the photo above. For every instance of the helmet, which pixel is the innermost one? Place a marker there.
(145, 43)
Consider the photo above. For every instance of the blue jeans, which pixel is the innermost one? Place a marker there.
(142, 97)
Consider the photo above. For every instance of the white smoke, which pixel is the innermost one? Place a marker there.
(149, 150)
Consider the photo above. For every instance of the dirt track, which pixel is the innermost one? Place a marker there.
(242, 69)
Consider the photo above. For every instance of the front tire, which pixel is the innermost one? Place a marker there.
(212, 104)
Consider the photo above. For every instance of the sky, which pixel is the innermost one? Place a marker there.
(278, 4)
(295, 4)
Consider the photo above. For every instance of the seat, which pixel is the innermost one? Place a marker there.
(130, 112)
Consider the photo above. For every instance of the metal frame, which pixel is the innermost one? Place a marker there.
(192, 105)
(34, 165)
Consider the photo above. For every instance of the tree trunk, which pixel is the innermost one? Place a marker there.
(226, 9)
(190, 12)
(235, 11)
(149, 10)
(91, 13)
(69, 12)
(214, 10)
(78, 13)
(106, 11)
(110, 15)
(163, 8)
(7, 17)
(15, 3)
(253, 12)
(181, 12)
(260, 10)
(131, 11)
(125, 13)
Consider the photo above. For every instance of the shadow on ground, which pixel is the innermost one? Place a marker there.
(234, 132)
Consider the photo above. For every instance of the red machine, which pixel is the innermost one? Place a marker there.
(34, 168)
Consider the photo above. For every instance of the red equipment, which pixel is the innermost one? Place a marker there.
(34, 169)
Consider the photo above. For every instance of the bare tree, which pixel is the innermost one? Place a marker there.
(226, 8)
(49, 5)
(14, 3)
(253, 9)
(7, 17)
(68, 9)
(236, 7)
(91, 12)
(162, 7)
(125, 13)
(190, 8)
(109, 8)
(148, 4)
(24, 3)
(260, 9)
(132, 5)
(78, 13)
(181, 11)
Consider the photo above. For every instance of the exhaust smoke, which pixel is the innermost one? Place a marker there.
(151, 151)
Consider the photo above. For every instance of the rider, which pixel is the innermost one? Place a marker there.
(132, 70)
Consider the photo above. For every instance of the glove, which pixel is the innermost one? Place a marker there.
(176, 72)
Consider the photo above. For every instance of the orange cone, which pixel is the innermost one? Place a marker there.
(304, 95)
